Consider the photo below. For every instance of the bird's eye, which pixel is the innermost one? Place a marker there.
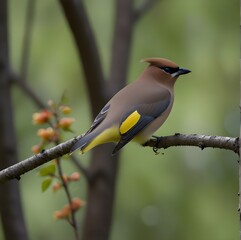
(170, 69)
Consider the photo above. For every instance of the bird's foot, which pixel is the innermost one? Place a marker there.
(155, 147)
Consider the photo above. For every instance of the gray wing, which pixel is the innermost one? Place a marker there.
(148, 113)
(99, 118)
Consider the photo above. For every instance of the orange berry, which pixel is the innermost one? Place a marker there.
(63, 213)
(65, 123)
(75, 176)
(36, 149)
(56, 187)
(41, 117)
(77, 203)
(46, 134)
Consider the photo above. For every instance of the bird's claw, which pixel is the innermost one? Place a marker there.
(155, 147)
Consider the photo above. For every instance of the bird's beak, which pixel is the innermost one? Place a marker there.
(182, 71)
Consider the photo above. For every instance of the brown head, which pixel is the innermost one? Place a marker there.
(165, 70)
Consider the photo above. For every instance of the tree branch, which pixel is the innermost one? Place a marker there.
(35, 161)
(195, 140)
(72, 219)
(88, 51)
(201, 141)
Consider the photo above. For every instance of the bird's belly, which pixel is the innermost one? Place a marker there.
(147, 132)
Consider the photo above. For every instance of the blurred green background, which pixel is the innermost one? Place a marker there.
(184, 193)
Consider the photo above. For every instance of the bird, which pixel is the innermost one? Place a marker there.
(137, 110)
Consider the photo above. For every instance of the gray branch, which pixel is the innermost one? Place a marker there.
(195, 140)
(201, 141)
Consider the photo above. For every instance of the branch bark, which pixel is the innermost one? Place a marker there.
(195, 140)
(15, 171)
(201, 141)
(88, 52)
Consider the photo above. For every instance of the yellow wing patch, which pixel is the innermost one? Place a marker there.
(130, 122)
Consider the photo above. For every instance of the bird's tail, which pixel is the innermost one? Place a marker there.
(83, 142)
(92, 139)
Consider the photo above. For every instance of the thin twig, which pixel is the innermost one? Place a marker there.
(72, 219)
(66, 189)
(202, 141)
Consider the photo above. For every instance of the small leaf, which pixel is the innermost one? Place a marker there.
(46, 183)
(50, 169)
(68, 130)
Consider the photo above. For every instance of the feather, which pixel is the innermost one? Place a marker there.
(89, 135)
(147, 113)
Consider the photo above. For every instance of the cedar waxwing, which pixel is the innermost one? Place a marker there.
(137, 110)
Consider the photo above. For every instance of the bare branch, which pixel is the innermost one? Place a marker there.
(88, 52)
(202, 141)
(195, 140)
(35, 161)
(72, 219)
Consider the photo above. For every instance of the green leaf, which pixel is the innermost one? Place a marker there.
(68, 130)
(46, 183)
(49, 170)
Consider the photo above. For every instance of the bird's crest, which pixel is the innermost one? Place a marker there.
(160, 62)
